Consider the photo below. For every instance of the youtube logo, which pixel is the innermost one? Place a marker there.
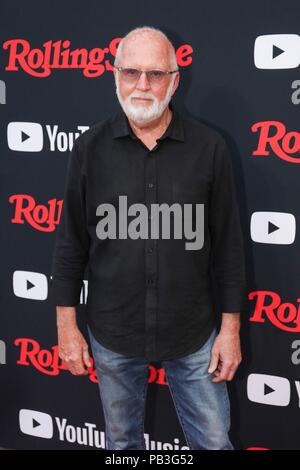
(268, 389)
(36, 423)
(273, 227)
(30, 285)
(277, 51)
(25, 136)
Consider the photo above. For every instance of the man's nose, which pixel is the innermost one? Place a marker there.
(143, 82)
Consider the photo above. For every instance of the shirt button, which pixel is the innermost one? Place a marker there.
(150, 250)
(150, 185)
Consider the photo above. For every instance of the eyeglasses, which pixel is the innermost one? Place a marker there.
(153, 76)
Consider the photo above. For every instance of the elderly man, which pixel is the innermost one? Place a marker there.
(150, 295)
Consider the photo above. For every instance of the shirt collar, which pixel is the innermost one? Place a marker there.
(121, 127)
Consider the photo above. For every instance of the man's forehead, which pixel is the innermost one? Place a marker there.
(144, 39)
(145, 53)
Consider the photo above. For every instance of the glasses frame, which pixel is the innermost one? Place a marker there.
(166, 72)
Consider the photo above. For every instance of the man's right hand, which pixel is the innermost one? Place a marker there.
(72, 347)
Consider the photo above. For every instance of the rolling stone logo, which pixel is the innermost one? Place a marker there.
(268, 306)
(273, 135)
(48, 361)
(39, 62)
(39, 216)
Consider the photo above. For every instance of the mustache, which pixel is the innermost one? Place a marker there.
(146, 97)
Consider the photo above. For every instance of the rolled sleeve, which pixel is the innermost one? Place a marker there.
(227, 246)
(71, 249)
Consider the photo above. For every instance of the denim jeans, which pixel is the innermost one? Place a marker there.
(202, 406)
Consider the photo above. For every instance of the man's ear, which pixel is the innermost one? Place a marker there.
(176, 83)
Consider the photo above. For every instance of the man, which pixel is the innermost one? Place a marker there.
(149, 295)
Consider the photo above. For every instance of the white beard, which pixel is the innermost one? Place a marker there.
(139, 112)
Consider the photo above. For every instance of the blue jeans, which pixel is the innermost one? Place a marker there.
(202, 406)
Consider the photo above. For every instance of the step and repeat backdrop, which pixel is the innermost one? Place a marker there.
(239, 65)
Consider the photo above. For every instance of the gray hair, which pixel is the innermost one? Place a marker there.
(172, 53)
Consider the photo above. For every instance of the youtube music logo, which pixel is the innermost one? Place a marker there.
(277, 51)
(30, 285)
(36, 423)
(29, 137)
(39, 424)
(269, 389)
(273, 227)
(25, 136)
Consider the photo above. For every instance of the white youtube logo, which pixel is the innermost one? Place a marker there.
(273, 227)
(30, 285)
(25, 136)
(277, 51)
(269, 389)
(36, 423)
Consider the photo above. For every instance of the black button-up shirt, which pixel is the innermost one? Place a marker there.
(150, 296)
